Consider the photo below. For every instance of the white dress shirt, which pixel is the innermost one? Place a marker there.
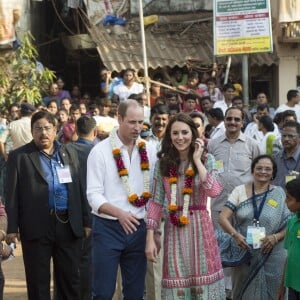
(218, 131)
(124, 92)
(103, 182)
(223, 105)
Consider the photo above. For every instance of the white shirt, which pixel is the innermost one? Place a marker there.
(263, 144)
(223, 105)
(20, 132)
(124, 92)
(147, 112)
(218, 131)
(103, 182)
(106, 124)
(284, 107)
(254, 133)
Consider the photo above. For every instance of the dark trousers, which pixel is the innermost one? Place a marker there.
(111, 247)
(85, 269)
(2, 281)
(64, 248)
(293, 294)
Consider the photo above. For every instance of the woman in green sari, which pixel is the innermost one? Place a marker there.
(260, 216)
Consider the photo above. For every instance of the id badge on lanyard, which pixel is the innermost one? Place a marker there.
(64, 174)
(254, 236)
(256, 233)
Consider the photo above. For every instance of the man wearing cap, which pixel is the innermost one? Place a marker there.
(20, 130)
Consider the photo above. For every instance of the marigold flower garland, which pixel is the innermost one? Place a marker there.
(187, 192)
(133, 198)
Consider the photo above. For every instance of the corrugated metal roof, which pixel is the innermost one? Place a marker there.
(168, 44)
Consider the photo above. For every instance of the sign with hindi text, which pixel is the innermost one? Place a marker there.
(242, 27)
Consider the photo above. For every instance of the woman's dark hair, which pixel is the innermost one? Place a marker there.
(267, 122)
(52, 101)
(292, 187)
(168, 155)
(260, 157)
(43, 115)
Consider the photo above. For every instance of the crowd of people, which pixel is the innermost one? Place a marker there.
(126, 192)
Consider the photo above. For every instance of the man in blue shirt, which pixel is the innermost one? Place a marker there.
(46, 205)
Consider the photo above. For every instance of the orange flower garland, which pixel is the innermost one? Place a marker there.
(187, 192)
(133, 198)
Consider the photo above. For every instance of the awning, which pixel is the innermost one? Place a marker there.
(169, 43)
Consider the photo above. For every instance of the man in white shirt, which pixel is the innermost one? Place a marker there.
(253, 131)
(293, 98)
(118, 184)
(20, 130)
(216, 119)
(228, 93)
(160, 116)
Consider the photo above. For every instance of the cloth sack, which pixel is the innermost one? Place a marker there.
(231, 254)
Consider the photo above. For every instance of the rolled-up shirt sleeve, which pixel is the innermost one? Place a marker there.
(96, 171)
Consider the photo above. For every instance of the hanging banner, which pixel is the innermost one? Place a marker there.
(242, 27)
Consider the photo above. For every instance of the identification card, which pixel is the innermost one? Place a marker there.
(254, 236)
(289, 178)
(64, 174)
(220, 166)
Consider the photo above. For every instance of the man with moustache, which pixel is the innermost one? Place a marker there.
(159, 118)
(45, 205)
(288, 159)
(234, 152)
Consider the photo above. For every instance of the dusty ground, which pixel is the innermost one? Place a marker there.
(15, 286)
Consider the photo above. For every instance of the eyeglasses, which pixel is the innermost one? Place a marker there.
(290, 135)
(229, 119)
(48, 129)
(262, 169)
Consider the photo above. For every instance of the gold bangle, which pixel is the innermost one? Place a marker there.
(275, 238)
(233, 234)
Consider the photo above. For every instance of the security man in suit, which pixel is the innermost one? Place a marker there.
(46, 206)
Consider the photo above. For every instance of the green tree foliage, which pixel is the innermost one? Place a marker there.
(20, 78)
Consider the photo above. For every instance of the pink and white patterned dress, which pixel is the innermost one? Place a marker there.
(191, 262)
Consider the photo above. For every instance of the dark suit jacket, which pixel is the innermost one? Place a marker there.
(83, 151)
(27, 203)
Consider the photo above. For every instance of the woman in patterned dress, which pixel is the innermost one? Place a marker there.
(184, 178)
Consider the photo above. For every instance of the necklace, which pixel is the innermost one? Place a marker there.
(133, 198)
(187, 192)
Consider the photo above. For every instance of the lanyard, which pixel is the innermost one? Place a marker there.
(257, 212)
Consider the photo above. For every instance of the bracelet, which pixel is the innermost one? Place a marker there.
(275, 238)
(233, 234)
